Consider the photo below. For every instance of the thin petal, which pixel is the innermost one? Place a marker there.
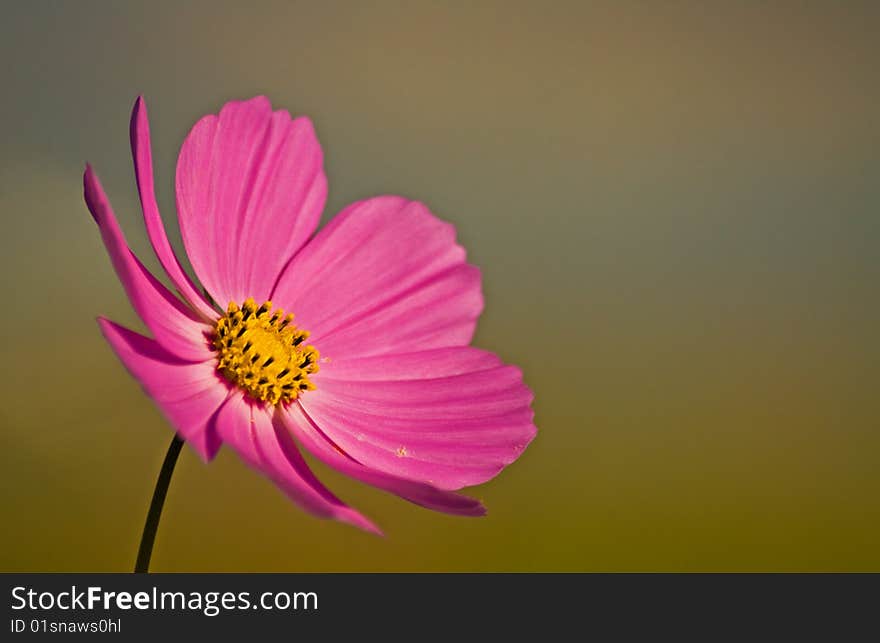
(174, 325)
(385, 276)
(424, 495)
(187, 394)
(266, 447)
(250, 191)
(452, 417)
(142, 154)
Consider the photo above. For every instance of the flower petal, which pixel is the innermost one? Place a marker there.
(250, 191)
(452, 417)
(174, 325)
(438, 362)
(187, 394)
(265, 445)
(142, 154)
(384, 276)
(424, 495)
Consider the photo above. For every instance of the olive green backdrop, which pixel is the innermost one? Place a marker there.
(675, 207)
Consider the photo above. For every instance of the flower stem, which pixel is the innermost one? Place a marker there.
(142, 565)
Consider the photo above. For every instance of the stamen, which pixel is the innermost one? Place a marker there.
(273, 337)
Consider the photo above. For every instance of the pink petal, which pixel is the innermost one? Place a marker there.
(250, 191)
(384, 276)
(451, 417)
(438, 362)
(187, 394)
(266, 447)
(174, 325)
(421, 494)
(142, 154)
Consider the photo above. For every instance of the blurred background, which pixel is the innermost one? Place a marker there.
(675, 207)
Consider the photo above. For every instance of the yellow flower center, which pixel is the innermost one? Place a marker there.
(262, 352)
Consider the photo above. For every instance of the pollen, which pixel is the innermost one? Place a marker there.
(264, 353)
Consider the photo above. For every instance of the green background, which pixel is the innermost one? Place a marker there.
(675, 207)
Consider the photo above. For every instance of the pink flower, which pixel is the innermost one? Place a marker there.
(374, 376)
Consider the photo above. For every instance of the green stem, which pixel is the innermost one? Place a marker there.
(142, 565)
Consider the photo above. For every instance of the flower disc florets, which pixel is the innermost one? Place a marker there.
(263, 352)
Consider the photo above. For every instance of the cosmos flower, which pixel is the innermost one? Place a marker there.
(352, 341)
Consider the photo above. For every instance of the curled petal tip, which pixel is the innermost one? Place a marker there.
(92, 192)
(138, 121)
(138, 107)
